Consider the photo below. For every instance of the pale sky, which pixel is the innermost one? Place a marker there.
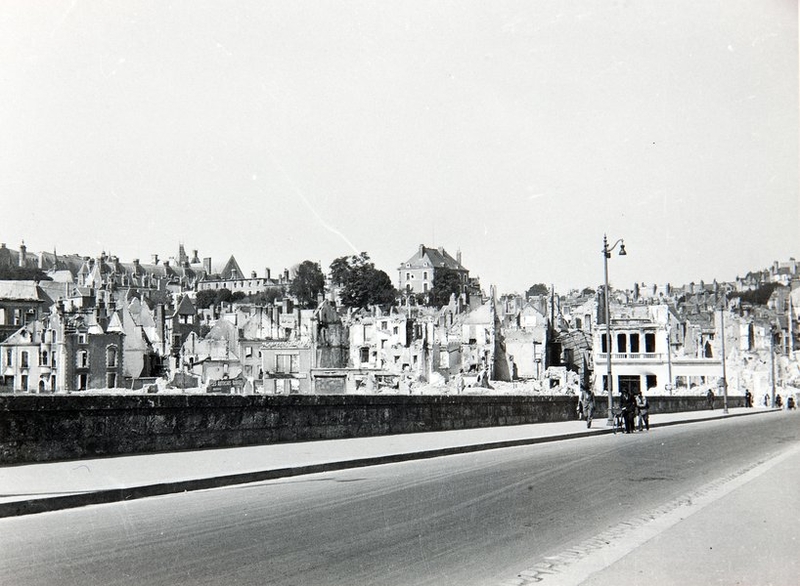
(516, 132)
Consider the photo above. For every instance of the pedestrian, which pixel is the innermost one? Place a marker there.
(748, 398)
(460, 382)
(790, 402)
(710, 399)
(586, 404)
(778, 401)
(643, 411)
(628, 410)
(766, 400)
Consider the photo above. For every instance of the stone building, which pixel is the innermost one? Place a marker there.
(417, 274)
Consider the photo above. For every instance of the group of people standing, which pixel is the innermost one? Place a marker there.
(632, 405)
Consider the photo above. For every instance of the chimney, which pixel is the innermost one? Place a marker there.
(267, 273)
(458, 256)
(23, 254)
(195, 260)
(207, 264)
(253, 275)
(154, 259)
(421, 249)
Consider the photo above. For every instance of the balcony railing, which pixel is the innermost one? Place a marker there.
(654, 356)
(634, 355)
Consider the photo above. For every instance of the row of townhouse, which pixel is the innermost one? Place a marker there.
(100, 341)
(665, 348)
(179, 273)
(285, 350)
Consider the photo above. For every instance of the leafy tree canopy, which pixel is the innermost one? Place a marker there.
(758, 296)
(361, 283)
(22, 274)
(308, 284)
(446, 282)
(537, 289)
(208, 297)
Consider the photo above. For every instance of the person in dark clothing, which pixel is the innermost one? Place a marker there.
(710, 398)
(748, 399)
(628, 405)
(586, 405)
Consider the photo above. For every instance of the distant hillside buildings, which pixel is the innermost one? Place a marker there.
(100, 323)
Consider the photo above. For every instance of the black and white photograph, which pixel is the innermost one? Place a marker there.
(361, 293)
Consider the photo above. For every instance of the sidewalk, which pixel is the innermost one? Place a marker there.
(38, 488)
(747, 534)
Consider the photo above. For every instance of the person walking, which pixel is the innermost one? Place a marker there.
(643, 411)
(586, 403)
(710, 399)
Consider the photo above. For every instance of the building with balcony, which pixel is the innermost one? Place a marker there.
(649, 351)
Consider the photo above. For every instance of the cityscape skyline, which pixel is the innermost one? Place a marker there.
(518, 134)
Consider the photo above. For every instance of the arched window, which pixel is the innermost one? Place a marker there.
(111, 356)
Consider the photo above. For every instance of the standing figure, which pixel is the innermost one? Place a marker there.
(460, 382)
(586, 402)
(643, 411)
(710, 399)
(748, 398)
(628, 410)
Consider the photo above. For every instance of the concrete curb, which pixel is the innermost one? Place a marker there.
(70, 501)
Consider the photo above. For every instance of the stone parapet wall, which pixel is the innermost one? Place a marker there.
(41, 428)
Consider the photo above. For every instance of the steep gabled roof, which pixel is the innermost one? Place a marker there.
(185, 307)
(435, 257)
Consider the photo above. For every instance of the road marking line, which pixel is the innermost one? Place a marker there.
(576, 564)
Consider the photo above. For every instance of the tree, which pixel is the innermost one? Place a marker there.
(537, 289)
(446, 282)
(224, 295)
(361, 284)
(308, 284)
(205, 298)
(22, 274)
(588, 291)
(758, 296)
(208, 297)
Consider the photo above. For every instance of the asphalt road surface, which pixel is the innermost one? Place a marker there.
(473, 519)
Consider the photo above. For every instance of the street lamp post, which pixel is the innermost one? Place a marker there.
(669, 358)
(724, 372)
(772, 362)
(609, 381)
